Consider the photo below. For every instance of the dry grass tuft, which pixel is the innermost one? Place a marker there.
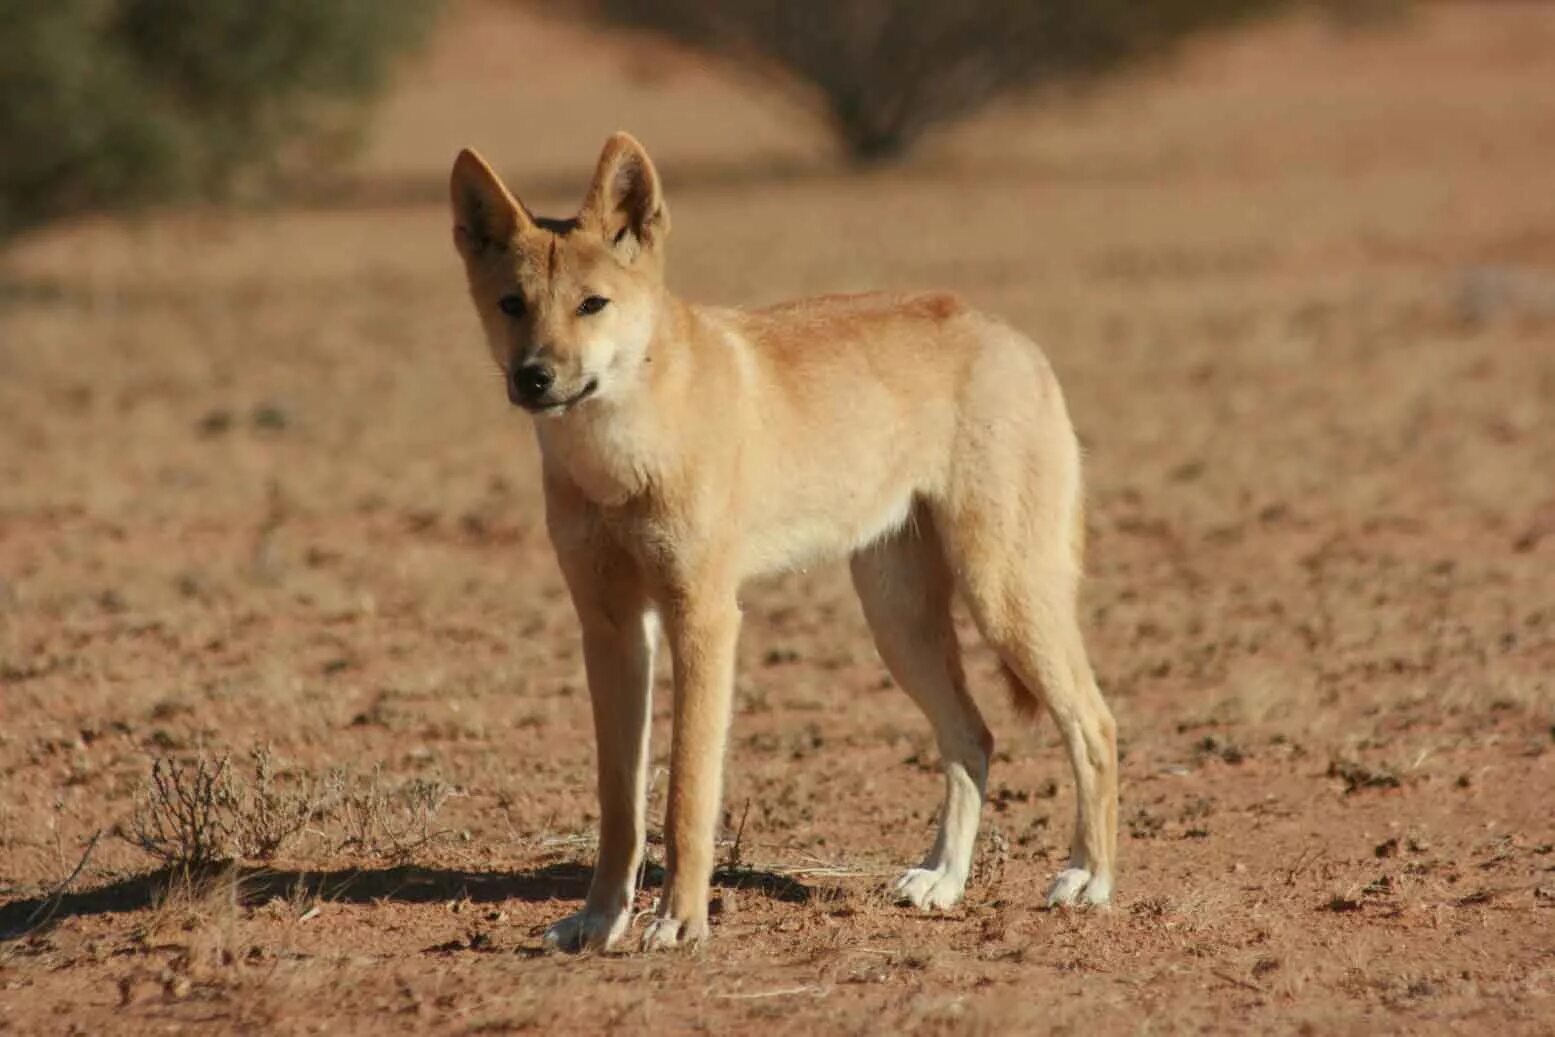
(182, 816)
(383, 820)
(197, 813)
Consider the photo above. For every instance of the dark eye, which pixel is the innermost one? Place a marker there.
(513, 305)
(592, 305)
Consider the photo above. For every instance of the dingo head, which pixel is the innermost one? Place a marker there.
(569, 306)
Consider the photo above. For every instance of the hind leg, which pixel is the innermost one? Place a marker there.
(1022, 593)
(905, 587)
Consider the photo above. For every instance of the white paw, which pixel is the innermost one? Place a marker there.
(664, 932)
(929, 888)
(1078, 887)
(586, 931)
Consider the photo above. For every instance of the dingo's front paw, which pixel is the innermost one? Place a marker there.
(587, 931)
(1076, 887)
(930, 888)
(664, 932)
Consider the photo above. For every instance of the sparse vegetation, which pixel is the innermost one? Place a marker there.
(884, 72)
(108, 104)
(195, 813)
(380, 819)
(183, 815)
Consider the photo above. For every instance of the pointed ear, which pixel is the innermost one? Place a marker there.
(485, 214)
(625, 203)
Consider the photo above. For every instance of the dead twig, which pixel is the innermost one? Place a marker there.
(1244, 984)
(758, 994)
(44, 912)
(733, 859)
(1304, 860)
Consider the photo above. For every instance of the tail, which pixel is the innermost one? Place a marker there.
(1027, 701)
(1077, 537)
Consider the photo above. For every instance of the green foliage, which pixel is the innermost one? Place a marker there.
(884, 71)
(107, 104)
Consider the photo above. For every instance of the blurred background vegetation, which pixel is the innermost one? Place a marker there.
(115, 104)
(110, 104)
(883, 72)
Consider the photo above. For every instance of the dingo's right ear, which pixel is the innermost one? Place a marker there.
(485, 214)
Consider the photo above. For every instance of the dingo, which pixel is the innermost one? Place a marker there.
(687, 448)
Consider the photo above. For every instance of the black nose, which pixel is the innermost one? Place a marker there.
(530, 382)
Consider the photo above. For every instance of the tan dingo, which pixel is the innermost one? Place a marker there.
(687, 448)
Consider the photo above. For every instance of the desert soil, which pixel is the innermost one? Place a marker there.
(259, 487)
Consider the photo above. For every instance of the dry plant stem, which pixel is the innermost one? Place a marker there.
(45, 912)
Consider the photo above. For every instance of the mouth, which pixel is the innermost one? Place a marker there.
(561, 406)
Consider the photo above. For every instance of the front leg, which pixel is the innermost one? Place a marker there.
(619, 631)
(702, 629)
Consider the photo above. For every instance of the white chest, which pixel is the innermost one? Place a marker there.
(607, 460)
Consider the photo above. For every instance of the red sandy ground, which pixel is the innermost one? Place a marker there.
(258, 486)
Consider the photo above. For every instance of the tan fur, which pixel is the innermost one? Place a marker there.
(921, 439)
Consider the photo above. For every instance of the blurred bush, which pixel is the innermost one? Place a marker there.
(885, 71)
(108, 104)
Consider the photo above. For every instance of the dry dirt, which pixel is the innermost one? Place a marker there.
(259, 487)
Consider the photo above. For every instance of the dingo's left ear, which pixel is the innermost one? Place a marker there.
(485, 213)
(625, 203)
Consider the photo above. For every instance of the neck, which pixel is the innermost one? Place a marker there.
(616, 447)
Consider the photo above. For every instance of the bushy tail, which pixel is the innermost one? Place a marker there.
(1077, 537)
(1027, 701)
